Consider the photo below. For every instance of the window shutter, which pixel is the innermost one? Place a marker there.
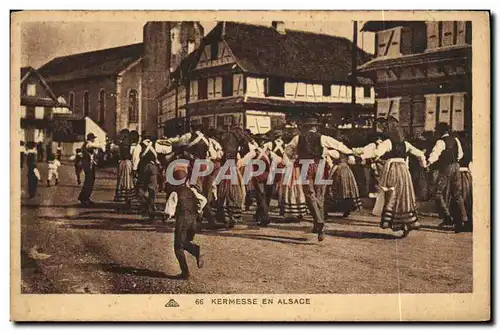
(310, 92)
(290, 89)
(458, 112)
(238, 84)
(383, 107)
(251, 86)
(430, 112)
(318, 92)
(432, 34)
(335, 91)
(461, 32)
(394, 47)
(261, 90)
(393, 108)
(445, 108)
(447, 33)
(218, 87)
(210, 87)
(382, 41)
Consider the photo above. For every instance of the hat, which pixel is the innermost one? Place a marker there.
(147, 137)
(310, 121)
(91, 136)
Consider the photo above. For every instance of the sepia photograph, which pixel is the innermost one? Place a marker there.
(271, 162)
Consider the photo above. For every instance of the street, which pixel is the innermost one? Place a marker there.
(101, 250)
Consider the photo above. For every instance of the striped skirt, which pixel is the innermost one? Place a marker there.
(125, 189)
(397, 197)
(292, 196)
(343, 194)
(230, 198)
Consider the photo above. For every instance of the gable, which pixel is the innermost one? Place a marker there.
(215, 54)
(33, 86)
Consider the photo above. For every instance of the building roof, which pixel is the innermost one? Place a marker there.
(27, 100)
(294, 54)
(105, 62)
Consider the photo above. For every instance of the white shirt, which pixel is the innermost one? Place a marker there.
(440, 147)
(54, 165)
(173, 199)
(326, 142)
(214, 149)
(136, 155)
(386, 146)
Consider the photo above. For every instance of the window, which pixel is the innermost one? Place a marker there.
(31, 89)
(71, 99)
(275, 87)
(227, 86)
(202, 89)
(102, 105)
(214, 51)
(367, 92)
(133, 106)
(327, 91)
(86, 107)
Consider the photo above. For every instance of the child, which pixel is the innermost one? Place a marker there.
(186, 204)
(54, 165)
(77, 158)
(59, 151)
(33, 173)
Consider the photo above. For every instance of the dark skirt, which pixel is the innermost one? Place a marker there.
(466, 192)
(343, 194)
(397, 197)
(125, 188)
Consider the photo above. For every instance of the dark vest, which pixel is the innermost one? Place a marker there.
(398, 150)
(278, 152)
(187, 202)
(450, 154)
(125, 150)
(309, 146)
(200, 149)
(467, 158)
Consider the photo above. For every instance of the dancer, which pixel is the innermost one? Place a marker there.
(185, 204)
(148, 177)
(446, 154)
(53, 165)
(88, 165)
(33, 173)
(309, 145)
(396, 201)
(77, 159)
(125, 188)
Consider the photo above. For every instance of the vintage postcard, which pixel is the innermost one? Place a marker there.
(250, 166)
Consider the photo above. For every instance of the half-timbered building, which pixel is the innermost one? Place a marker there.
(258, 75)
(422, 73)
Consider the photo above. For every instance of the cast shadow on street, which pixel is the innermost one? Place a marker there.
(278, 239)
(127, 270)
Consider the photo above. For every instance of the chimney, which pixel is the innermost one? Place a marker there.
(279, 26)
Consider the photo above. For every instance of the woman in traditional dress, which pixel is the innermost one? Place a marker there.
(343, 194)
(396, 199)
(125, 188)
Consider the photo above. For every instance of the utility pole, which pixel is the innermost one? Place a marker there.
(354, 57)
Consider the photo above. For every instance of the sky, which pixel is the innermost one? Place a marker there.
(43, 41)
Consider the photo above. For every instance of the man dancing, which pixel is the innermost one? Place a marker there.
(309, 145)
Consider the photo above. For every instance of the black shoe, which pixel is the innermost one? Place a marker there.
(90, 202)
(183, 276)
(346, 214)
(199, 259)
(57, 181)
(321, 236)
